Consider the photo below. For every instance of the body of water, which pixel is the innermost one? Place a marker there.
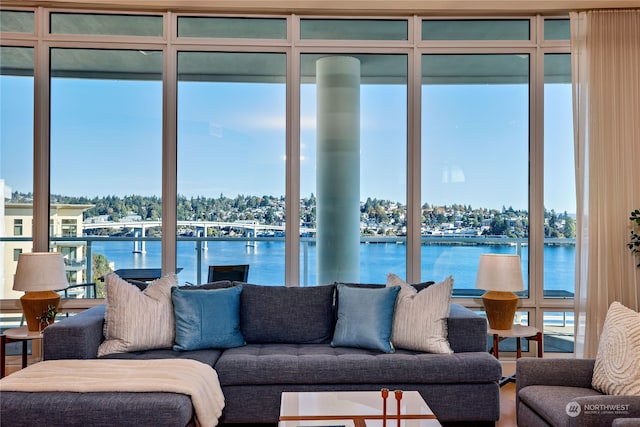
(266, 260)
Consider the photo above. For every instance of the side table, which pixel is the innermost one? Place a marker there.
(517, 331)
(16, 335)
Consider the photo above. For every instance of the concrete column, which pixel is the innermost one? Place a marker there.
(143, 246)
(338, 169)
(205, 233)
(136, 243)
(139, 246)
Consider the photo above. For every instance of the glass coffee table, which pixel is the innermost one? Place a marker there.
(354, 409)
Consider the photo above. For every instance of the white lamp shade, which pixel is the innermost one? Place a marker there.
(40, 271)
(499, 272)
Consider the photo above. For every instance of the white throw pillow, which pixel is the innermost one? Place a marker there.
(420, 319)
(138, 320)
(617, 366)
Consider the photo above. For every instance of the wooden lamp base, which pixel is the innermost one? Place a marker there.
(500, 308)
(35, 305)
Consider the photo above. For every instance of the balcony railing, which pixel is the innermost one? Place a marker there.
(197, 259)
(196, 248)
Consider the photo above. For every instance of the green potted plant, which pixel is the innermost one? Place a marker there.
(634, 244)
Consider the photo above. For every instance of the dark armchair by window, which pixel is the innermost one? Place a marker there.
(238, 273)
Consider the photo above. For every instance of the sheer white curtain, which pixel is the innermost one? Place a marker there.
(605, 51)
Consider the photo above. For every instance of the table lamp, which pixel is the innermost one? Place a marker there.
(500, 275)
(39, 274)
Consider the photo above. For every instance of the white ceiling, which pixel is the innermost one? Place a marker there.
(362, 7)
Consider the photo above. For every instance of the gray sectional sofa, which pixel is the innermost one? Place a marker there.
(288, 331)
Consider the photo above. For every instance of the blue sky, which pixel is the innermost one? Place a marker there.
(106, 139)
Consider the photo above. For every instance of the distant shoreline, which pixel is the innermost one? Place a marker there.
(267, 260)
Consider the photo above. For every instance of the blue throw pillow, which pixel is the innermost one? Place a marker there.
(365, 318)
(207, 318)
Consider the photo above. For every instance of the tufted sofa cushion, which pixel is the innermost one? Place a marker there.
(323, 364)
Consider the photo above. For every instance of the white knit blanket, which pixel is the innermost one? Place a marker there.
(183, 376)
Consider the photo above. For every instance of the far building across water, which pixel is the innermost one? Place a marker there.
(65, 221)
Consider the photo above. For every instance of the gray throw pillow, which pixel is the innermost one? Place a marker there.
(287, 315)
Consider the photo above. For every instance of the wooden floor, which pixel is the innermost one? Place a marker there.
(507, 399)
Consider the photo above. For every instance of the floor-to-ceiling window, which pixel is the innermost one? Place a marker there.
(353, 149)
(497, 166)
(105, 141)
(353, 155)
(16, 153)
(106, 151)
(231, 163)
(274, 140)
(475, 162)
(231, 146)
(559, 200)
